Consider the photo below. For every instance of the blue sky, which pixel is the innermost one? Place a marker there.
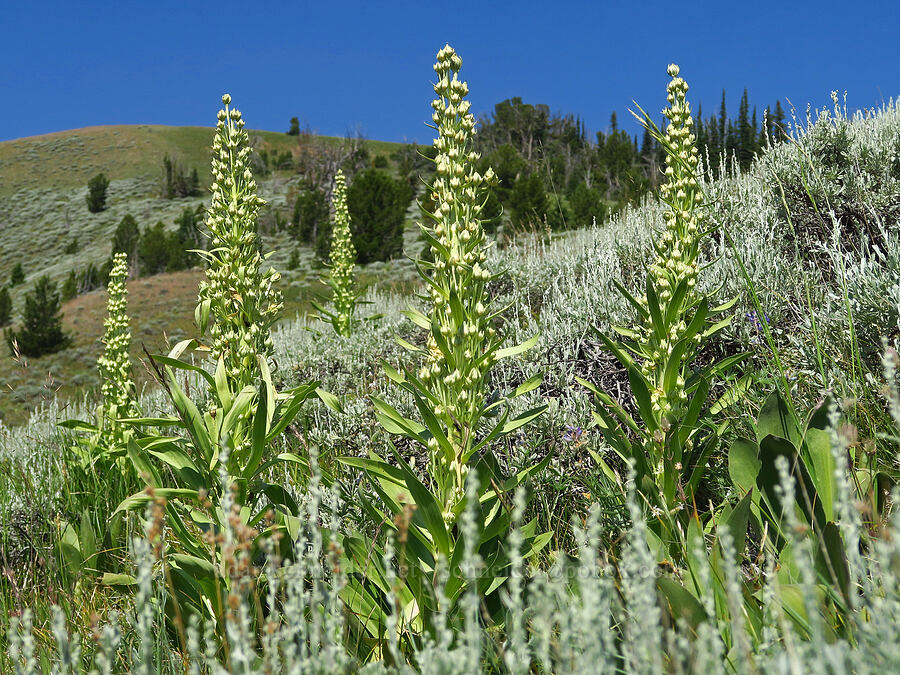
(343, 65)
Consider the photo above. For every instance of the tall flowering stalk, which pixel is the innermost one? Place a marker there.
(242, 299)
(460, 416)
(674, 273)
(671, 447)
(343, 264)
(462, 344)
(115, 364)
(212, 477)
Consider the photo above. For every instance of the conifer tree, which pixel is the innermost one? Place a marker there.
(70, 287)
(41, 331)
(779, 123)
(96, 196)
(5, 306)
(17, 276)
(745, 134)
(125, 238)
(723, 122)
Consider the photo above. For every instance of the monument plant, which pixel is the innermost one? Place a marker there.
(672, 439)
(460, 417)
(210, 474)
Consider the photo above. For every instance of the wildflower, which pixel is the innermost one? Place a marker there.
(115, 365)
(240, 298)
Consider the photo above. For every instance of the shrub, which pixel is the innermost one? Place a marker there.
(96, 196)
(377, 205)
(41, 332)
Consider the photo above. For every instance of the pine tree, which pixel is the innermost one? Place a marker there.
(126, 237)
(41, 331)
(723, 123)
(746, 140)
(779, 123)
(96, 196)
(5, 306)
(377, 205)
(17, 276)
(70, 287)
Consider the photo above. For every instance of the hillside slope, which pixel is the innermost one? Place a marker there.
(45, 225)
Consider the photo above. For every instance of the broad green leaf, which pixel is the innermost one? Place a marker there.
(523, 419)
(184, 365)
(736, 523)
(143, 466)
(744, 464)
(417, 318)
(775, 418)
(682, 605)
(641, 309)
(113, 579)
(141, 499)
(331, 401)
(530, 384)
(70, 549)
(518, 349)
(642, 397)
(190, 416)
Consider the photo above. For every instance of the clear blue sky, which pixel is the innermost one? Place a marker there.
(340, 65)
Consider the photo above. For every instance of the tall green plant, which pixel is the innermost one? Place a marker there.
(343, 263)
(671, 446)
(213, 473)
(115, 363)
(241, 298)
(460, 417)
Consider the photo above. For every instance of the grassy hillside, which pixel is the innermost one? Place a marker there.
(813, 298)
(43, 212)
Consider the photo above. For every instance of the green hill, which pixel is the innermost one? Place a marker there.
(45, 225)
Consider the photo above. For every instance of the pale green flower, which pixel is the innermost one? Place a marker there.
(238, 302)
(115, 364)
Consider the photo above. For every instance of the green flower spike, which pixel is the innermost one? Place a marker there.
(241, 299)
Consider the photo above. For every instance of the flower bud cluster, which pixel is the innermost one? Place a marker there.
(241, 299)
(678, 247)
(115, 364)
(454, 370)
(343, 259)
